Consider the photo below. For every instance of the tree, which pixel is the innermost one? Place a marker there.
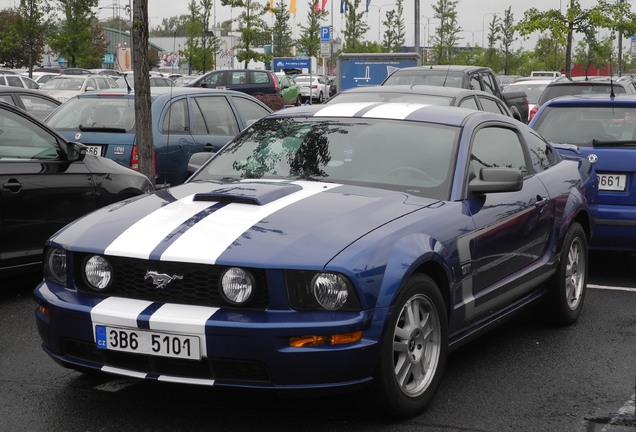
(562, 27)
(507, 31)
(394, 35)
(309, 41)
(593, 53)
(171, 27)
(75, 37)
(355, 27)
(201, 44)
(12, 53)
(143, 116)
(116, 22)
(33, 28)
(446, 35)
(253, 28)
(494, 35)
(281, 32)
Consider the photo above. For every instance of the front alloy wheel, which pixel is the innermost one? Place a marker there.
(414, 349)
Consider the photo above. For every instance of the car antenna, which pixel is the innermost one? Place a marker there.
(612, 94)
(446, 76)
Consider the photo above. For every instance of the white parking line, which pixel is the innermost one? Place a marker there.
(611, 288)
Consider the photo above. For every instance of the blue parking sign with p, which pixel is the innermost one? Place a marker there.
(325, 34)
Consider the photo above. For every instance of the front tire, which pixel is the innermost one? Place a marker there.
(569, 286)
(414, 349)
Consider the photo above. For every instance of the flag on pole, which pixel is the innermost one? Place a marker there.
(344, 6)
(292, 6)
(324, 5)
(368, 3)
(271, 6)
(317, 6)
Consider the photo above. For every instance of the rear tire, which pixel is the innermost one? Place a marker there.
(569, 286)
(414, 349)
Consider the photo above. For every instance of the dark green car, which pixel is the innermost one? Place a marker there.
(289, 90)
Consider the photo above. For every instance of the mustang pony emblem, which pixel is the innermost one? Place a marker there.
(160, 280)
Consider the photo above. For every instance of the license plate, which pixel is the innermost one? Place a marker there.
(612, 182)
(147, 342)
(94, 150)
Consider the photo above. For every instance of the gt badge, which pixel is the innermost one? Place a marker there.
(160, 280)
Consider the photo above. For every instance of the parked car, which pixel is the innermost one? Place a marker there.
(14, 80)
(46, 183)
(602, 127)
(41, 77)
(310, 256)
(34, 102)
(533, 88)
(505, 80)
(185, 79)
(65, 70)
(545, 74)
(425, 94)
(64, 87)
(468, 77)
(289, 90)
(584, 85)
(313, 87)
(155, 81)
(254, 82)
(184, 121)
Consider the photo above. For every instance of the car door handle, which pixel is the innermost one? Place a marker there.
(541, 203)
(13, 185)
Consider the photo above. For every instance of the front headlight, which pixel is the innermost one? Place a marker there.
(237, 286)
(98, 273)
(308, 290)
(55, 265)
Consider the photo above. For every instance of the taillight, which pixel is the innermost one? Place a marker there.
(533, 111)
(134, 159)
(273, 78)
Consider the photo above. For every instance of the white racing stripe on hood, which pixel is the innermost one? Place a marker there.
(394, 110)
(343, 109)
(184, 319)
(142, 237)
(118, 312)
(208, 239)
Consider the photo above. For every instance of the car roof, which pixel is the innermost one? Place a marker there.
(537, 79)
(417, 89)
(450, 68)
(593, 100)
(452, 116)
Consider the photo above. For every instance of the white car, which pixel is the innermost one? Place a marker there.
(315, 87)
(533, 86)
(64, 87)
(12, 80)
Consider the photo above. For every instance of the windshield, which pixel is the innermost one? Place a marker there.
(364, 152)
(94, 113)
(393, 97)
(580, 125)
(427, 77)
(553, 91)
(64, 83)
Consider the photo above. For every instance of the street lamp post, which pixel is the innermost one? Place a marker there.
(483, 27)
(379, 8)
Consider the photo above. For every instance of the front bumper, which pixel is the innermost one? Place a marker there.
(247, 349)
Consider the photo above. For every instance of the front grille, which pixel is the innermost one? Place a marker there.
(199, 285)
(211, 369)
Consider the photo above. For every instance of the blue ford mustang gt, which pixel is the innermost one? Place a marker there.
(327, 247)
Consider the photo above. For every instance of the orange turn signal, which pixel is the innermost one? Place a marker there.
(325, 340)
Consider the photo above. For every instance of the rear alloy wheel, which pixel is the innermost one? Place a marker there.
(570, 283)
(414, 349)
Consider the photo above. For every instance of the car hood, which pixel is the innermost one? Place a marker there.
(257, 223)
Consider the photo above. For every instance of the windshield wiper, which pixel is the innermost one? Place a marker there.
(101, 129)
(619, 143)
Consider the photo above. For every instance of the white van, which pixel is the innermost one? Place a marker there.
(545, 74)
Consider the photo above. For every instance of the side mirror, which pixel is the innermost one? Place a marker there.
(75, 151)
(496, 180)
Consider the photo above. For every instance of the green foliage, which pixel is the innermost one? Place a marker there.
(201, 44)
(447, 33)
(309, 41)
(12, 53)
(253, 28)
(355, 27)
(75, 36)
(394, 35)
(593, 53)
(23, 32)
(171, 27)
(281, 31)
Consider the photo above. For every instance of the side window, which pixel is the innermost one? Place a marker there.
(469, 102)
(497, 147)
(542, 153)
(260, 77)
(22, 139)
(490, 105)
(176, 119)
(213, 116)
(238, 78)
(90, 83)
(37, 106)
(249, 110)
(14, 81)
(473, 83)
(102, 84)
(489, 83)
(6, 98)
(214, 80)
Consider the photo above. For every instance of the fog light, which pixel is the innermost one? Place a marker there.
(237, 285)
(98, 273)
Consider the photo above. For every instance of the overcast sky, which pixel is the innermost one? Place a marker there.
(473, 15)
